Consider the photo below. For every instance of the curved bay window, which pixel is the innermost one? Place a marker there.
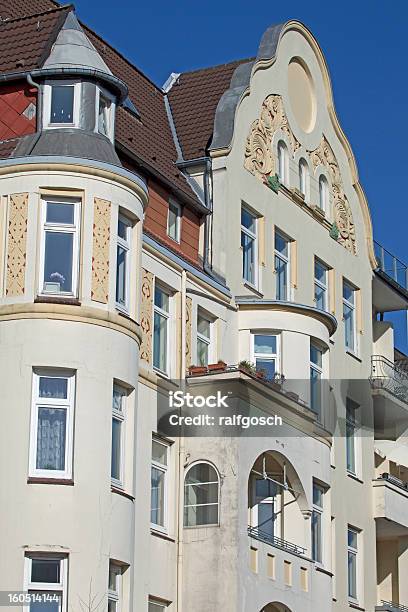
(201, 495)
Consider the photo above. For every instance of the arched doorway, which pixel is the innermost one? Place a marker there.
(275, 607)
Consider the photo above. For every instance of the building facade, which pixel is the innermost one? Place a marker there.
(211, 232)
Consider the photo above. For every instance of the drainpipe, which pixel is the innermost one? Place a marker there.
(39, 109)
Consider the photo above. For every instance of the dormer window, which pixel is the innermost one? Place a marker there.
(61, 104)
(105, 114)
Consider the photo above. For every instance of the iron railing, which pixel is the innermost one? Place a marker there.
(391, 266)
(394, 480)
(390, 606)
(386, 375)
(263, 536)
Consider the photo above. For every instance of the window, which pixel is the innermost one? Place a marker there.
(316, 358)
(283, 163)
(114, 587)
(118, 416)
(59, 247)
(204, 332)
(47, 576)
(349, 316)
(52, 423)
(174, 221)
(61, 104)
(323, 193)
(282, 266)
(266, 506)
(351, 428)
(249, 247)
(304, 178)
(352, 551)
(104, 116)
(317, 526)
(266, 354)
(321, 274)
(123, 262)
(158, 505)
(201, 495)
(155, 606)
(161, 330)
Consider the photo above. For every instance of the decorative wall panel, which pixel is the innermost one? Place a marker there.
(146, 316)
(100, 251)
(189, 331)
(16, 244)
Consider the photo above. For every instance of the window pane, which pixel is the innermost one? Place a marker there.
(201, 472)
(56, 388)
(320, 297)
(315, 391)
(113, 577)
(265, 344)
(157, 496)
(200, 515)
(161, 299)
(352, 538)
(51, 435)
(112, 605)
(281, 244)
(202, 493)
(320, 272)
(203, 326)
(281, 268)
(58, 212)
(45, 570)
(121, 275)
(352, 575)
(265, 488)
(348, 315)
(248, 220)
(316, 536)
(123, 229)
(315, 355)
(58, 259)
(173, 221)
(348, 293)
(160, 342)
(248, 258)
(55, 605)
(116, 449)
(159, 452)
(62, 104)
(317, 496)
(267, 366)
(350, 448)
(103, 116)
(153, 607)
(118, 398)
(266, 518)
(202, 353)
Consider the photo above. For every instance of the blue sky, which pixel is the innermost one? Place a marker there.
(366, 48)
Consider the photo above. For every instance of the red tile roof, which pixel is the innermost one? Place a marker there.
(193, 100)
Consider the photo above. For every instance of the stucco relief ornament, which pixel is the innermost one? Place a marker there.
(343, 217)
(259, 159)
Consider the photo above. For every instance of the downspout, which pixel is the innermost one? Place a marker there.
(181, 451)
(39, 109)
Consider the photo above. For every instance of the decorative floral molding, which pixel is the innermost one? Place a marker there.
(259, 159)
(146, 316)
(189, 331)
(100, 251)
(343, 217)
(16, 244)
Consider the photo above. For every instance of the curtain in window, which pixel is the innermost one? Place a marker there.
(51, 433)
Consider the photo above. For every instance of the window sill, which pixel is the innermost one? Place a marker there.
(354, 477)
(252, 288)
(52, 481)
(54, 299)
(357, 358)
(161, 535)
(355, 606)
(122, 493)
(321, 569)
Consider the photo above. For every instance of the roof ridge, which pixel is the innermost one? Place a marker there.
(237, 61)
(61, 7)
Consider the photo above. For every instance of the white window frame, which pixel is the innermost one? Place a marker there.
(287, 261)
(254, 237)
(67, 404)
(304, 178)
(120, 417)
(178, 211)
(100, 92)
(323, 285)
(115, 595)
(60, 228)
(267, 356)
(126, 245)
(283, 163)
(351, 422)
(319, 510)
(209, 341)
(47, 124)
(166, 315)
(353, 551)
(352, 307)
(319, 371)
(324, 197)
(158, 604)
(207, 504)
(47, 587)
(161, 467)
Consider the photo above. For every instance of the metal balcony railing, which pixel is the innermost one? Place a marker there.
(390, 606)
(392, 267)
(394, 480)
(386, 375)
(262, 536)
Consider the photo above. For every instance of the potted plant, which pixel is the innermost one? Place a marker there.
(195, 370)
(247, 366)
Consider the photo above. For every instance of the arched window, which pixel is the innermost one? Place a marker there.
(323, 193)
(283, 163)
(304, 178)
(201, 495)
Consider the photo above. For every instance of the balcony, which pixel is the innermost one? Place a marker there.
(389, 606)
(262, 536)
(390, 283)
(390, 498)
(390, 393)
